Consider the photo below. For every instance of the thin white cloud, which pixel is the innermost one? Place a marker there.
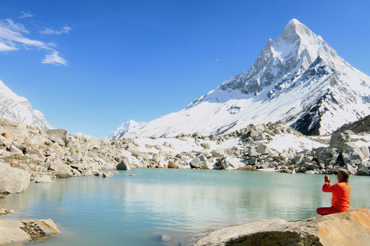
(217, 60)
(55, 58)
(50, 31)
(4, 48)
(12, 38)
(25, 15)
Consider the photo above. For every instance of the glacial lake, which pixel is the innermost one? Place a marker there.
(183, 205)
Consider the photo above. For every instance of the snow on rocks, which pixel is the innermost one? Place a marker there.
(46, 155)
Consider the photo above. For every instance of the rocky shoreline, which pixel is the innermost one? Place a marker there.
(29, 154)
(341, 229)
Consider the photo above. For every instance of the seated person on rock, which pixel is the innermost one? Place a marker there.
(341, 194)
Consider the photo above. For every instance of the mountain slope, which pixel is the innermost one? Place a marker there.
(129, 125)
(18, 108)
(297, 78)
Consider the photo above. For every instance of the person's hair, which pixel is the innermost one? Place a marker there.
(345, 175)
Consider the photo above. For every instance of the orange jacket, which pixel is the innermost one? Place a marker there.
(341, 195)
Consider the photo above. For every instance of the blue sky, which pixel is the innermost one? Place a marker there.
(91, 65)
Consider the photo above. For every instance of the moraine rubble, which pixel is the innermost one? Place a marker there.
(29, 154)
(32, 154)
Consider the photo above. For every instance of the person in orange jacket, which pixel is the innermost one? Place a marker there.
(340, 201)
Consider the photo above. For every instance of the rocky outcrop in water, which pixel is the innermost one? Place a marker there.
(15, 231)
(341, 229)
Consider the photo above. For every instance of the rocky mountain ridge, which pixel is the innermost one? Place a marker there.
(19, 109)
(298, 78)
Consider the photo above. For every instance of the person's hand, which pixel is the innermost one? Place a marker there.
(327, 179)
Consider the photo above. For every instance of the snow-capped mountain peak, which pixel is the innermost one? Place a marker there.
(297, 78)
(16, 108)
(129, 125)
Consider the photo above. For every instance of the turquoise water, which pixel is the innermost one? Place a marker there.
(181, 204)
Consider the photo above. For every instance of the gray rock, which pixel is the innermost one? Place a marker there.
(338, 139)
(41, 178)
(365, 151)
(349, 145)
(206, 145)
(218, 153)
(327, 156)
(268, 165)
(15, 150)
(227, 163)
(17, 131)
(165, 238)
(61, 133)
(91, 154)
(141, 156)
(6, 142)
(252, 152)
(353, 157)
(362, 170)
(76, 173)
(346, 228)
(13, 180)
(200, 162)
(132, 148)
(36, 152)
(156, 158)
(124, 165)
(17, 231)
(76, 157)
(298, 158)
(87, 172)
(94, 143)
(106, 175)
(257, 135)
(264, 149)
(57, 139)
(60, 169)
(351, 169)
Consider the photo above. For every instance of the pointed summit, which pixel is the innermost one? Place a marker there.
(295, 30)
(297, 78)
(294, 22)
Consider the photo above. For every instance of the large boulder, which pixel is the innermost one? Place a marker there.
(339, 138)
(327, 156)
(132, 148)
(227, 163)
(60, 169)
(16, 130)
(94, 143)
(124, 165)
(206, 145)
(218, 153)
(362, 170)
(13, 180)
(200, 162)
(264, 149)
(61, 133)
(16, 231)
(353, 157)
(57, 139)
(340, 229)
(41, 178)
